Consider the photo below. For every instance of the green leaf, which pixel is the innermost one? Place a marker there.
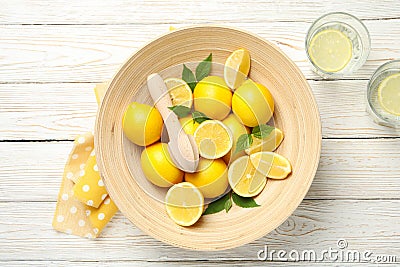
(244, 202)
(244, 141)
(228, 204)
(204, 68)
(199, 117)
(180, 111)
(262, 131)
(188, 77)
(218, 205)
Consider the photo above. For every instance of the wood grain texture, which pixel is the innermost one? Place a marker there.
(37, 47)
(141, 12)
(145, 263)
(371, 225)
(46, 111)
(93, 53)
(349, 169)
(64, 110)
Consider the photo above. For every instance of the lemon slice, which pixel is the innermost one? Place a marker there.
(179, 91)
(389, 94)
(271, 164)
(269, 143)
(214, 140)
(330, 50)
(237, 68)
(244, 179)
(184, 203)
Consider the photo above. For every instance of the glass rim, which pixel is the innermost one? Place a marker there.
(340, 13)
(326, 15)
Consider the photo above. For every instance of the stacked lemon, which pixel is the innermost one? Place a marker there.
(231, 109)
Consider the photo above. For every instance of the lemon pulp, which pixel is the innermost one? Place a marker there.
(271, 164)
(244, 179)
(184, 203)
(180, 92)
(237, 68)
(269, 143)
(389, 94)
(330, 50)
(213, 139)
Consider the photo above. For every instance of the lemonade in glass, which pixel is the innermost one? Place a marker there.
(383, 95)
(337, 44)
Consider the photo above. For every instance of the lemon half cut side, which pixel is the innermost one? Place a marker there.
(184, 203)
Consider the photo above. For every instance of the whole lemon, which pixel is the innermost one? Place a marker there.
(157, 166)
(253, 103)
(213, 97)
(142, 124)
(237, 129)
(188, 125)
(211, 179)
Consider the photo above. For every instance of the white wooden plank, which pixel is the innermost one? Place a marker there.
(93, 53)
(64, 110)
(23, 171)
(26, 234)
(349, 169)
(342, 107)
(185, 11)
(46, 111)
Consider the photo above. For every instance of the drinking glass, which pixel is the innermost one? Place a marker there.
(353, 29)
(379, 114)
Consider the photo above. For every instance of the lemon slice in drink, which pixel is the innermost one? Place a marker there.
(330, 50)
(389, 94)
(214, 140)
(184, 203)
(179, 91)
(271, 164)
(244, 178)
(237, 67)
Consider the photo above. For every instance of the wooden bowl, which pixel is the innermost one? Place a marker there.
(296, 113)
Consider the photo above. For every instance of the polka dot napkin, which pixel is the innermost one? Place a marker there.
(89, 188)
(83, 207)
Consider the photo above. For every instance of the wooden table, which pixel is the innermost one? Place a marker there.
(52, 53)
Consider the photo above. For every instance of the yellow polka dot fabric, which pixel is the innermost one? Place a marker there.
(89, 188)
(83, 207)
(83, 147)
(101, 216)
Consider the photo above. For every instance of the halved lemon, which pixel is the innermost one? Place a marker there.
(237, 67)
(330, 50)
(244, 179)
(271, 164)
(180, 92)
(389, 94)
(184, 203)
(214, 140)
(269, 143)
